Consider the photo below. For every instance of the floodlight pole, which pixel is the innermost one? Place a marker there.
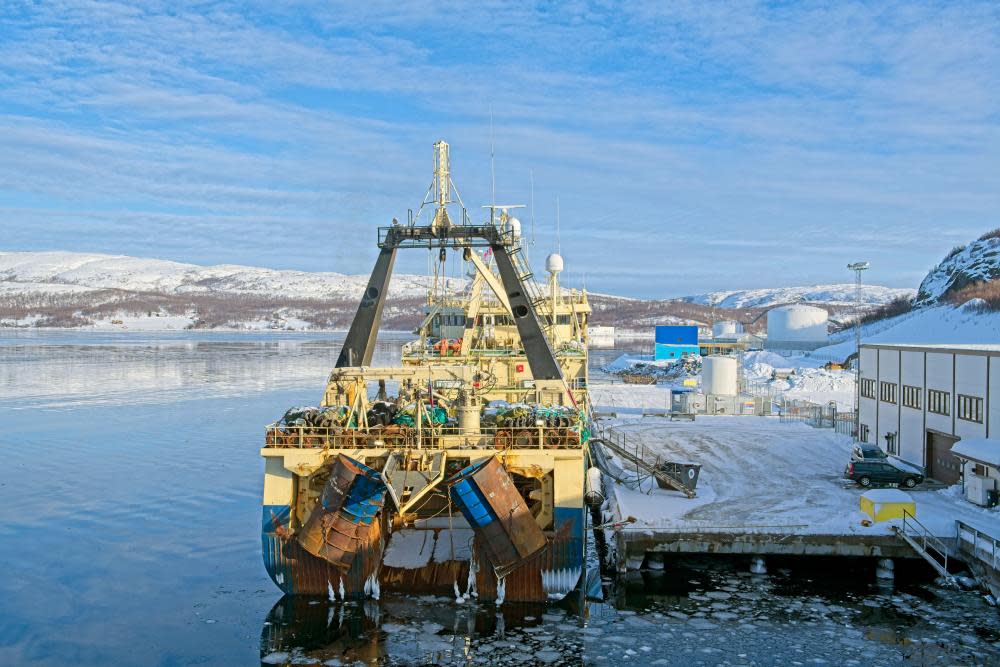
(858, 268)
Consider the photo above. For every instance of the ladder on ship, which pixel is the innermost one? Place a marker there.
(644, 461)
(537, 298)
(927, 546)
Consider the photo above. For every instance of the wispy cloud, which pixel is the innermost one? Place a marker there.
(693, 145)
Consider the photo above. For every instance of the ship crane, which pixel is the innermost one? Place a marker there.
(514, 288)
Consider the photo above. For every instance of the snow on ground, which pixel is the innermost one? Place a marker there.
(10, 288)
(938, 325)
(759, 475)
(809, 382)
(144, 323)
(837, 294)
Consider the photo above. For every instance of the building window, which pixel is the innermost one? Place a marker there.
(970, 408)
(868, 388)
(863, 435)
(938, 402)
(887, 392)
(911, 397)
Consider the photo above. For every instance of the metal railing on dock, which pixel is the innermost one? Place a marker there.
(930, 548)
(983, 546)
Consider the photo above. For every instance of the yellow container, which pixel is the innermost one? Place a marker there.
(886, 504)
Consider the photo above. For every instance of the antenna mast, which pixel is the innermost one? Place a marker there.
(558, 237)
(493, 173)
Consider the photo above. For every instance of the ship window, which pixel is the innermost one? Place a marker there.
(562, 319)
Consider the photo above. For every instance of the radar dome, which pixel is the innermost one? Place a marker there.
(514, 227)
(554, 263)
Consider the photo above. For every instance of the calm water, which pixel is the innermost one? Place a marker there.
(130, 527)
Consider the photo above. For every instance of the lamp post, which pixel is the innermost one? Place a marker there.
(858, 268)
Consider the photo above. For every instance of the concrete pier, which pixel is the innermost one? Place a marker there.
(633, 547)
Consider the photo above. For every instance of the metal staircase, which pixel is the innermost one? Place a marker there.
(929, 547)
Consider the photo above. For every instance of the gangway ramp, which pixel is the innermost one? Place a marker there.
(645, 461)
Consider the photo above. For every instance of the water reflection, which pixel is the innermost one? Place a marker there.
(75, 370)
(417, 630)
(699, 610)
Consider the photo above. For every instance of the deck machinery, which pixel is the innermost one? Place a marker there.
(462, 470)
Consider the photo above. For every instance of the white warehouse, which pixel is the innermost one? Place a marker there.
(917, 401)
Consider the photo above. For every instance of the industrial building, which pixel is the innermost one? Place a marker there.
(729, 337)
(797, 327)
(674, 342)
(918, 401)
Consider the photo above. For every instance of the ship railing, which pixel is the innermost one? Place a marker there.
(280, 435)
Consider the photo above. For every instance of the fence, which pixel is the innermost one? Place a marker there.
(818, 416)
(975, 542)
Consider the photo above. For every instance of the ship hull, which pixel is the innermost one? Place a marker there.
(428, 556)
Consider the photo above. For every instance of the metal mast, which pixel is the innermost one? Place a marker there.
(858, 268)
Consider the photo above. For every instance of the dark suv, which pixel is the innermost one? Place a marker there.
(865, 451)
(882, 472)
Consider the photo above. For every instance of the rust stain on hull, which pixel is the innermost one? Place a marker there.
(340, 525)
(498, 514)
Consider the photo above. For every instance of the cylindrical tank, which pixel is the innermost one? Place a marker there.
(594, 492)
(718, 375)
(725, 328)
(468, 413)
(797, 323)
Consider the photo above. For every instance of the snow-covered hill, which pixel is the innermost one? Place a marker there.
(54, 271)
(835, 295)
(935, 325)
(977, 262)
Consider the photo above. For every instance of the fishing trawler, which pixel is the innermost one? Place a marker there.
(462, 470)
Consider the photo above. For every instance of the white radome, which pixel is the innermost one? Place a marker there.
(514, 227)
(554, 263)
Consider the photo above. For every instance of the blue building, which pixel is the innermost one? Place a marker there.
(674, 342)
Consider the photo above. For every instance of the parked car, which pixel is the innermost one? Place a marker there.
(882, 472)
(865, 451)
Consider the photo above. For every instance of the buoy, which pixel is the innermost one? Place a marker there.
(594, 492)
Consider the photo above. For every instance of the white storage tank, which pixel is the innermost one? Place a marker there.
(718, 375)
(726, 329)
(797, 324)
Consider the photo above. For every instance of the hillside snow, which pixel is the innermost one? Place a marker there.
(836, 294)
(936, 325)
(53, 271)
(977, 262)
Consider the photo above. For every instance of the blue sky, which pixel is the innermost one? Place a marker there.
(693, 146)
